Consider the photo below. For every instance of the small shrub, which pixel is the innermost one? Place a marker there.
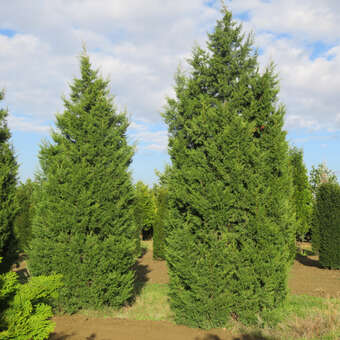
(328, 218)
(25, 308)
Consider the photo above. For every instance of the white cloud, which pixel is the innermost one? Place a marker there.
(147, 139)
(306, 19)
(291, 33)
(309, 87)
(23, 124)
(139, 44)
(33, 77)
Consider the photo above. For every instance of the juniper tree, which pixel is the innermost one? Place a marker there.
(8, 179)
(84, 225)
(231, 236)
(302, 194)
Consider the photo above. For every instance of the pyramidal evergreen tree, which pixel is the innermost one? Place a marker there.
(84, 224)
(230, 233)
(8, 180)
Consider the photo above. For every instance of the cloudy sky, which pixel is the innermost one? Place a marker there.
(138, 44)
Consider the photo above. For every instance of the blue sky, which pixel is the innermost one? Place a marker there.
(138, 45)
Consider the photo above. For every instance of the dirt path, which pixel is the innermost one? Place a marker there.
(151, 271)
(82, 328)
(306, 277)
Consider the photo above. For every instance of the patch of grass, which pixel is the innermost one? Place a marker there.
(314, 318)
(301, 317)
(151, 304)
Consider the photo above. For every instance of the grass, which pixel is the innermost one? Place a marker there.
(301, 317)
(151, 304)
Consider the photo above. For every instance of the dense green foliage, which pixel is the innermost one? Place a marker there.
(159, 227)
(8, 179)
(84, 223)
(25, 310)
(302, 194)
(144, 209)
(328, 217)
(318, 175)
(231, 235)
(23, 220)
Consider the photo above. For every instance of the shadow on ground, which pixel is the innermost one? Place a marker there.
(63, 336)
(252, 336)
(307, 261)
(141, 275)
(60, 336)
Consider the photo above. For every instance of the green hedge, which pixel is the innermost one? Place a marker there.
(159, 232)
(328, 218)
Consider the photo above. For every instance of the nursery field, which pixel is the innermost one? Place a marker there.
(313, 310)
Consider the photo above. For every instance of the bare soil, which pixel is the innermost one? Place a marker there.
(79, 328)
(306, 277)
(151, 271)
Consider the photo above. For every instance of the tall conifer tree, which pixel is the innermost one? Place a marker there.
(84, 225)
(8, 180)
(231, 237)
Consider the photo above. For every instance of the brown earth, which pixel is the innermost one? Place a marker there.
(306, 277)
(151, 271)
(80, 328)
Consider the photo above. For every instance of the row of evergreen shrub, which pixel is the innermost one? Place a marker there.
(327, 218)
(225, 220)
